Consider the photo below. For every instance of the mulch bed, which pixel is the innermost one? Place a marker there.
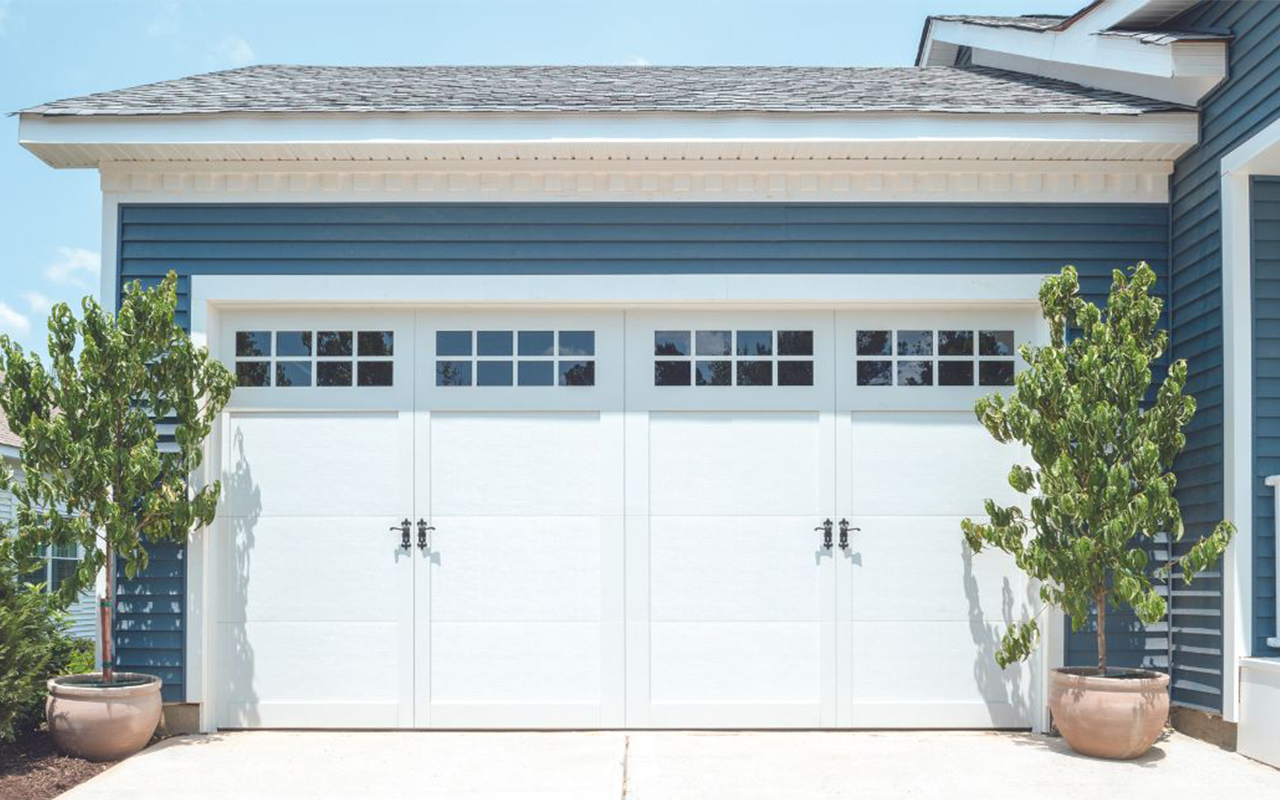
(32, 768)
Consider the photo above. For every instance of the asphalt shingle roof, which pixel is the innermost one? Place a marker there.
(315, 89)
(1026, 22)
(7, 436)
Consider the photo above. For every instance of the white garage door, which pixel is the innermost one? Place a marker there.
(643, 519)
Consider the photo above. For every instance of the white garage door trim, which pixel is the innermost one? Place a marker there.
(213, 294)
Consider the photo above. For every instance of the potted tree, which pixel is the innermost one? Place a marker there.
(1103, 450)
(100, 474)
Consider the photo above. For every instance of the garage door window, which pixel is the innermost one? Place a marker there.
(324, 358)
(732, 358)
(515, 358)
(912, 357)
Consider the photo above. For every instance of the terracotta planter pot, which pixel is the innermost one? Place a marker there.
(103, 723)
(1111, 717)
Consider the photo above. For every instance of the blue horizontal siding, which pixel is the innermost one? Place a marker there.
(613, 238)
(1265, 205)
(1247, 101)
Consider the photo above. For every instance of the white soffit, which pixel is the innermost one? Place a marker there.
(92, 141)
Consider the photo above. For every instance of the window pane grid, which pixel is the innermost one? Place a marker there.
(724, 357)
(505, 358)
(323, 358)
(945, 357)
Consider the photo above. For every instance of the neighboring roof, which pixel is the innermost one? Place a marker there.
(1025, 22)
(318, 89)
(7, 437)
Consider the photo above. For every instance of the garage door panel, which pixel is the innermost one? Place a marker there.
(740, 663)
(929, 553)
(733, 568)
(517, 568)
(311, 662)
(736, 463)
(267, 574)
(527, 464)
(547, 663)
(934, 661)
(316, 464)
(928, 462)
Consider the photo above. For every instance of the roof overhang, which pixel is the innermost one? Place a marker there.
(90, 141)
(1180, 71)
(10, 451)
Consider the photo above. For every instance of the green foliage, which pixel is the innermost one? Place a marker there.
(32, 642)
(1102, 480)
(96, 475)
(76, 656)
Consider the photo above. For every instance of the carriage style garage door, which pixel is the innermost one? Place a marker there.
(568, 518)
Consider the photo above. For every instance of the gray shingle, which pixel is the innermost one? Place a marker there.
(307, 89)
(1166, 37)
(1026, 22)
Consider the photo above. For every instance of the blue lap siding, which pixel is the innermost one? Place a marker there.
(1246, 102)
(1265, 203)
(611, 238)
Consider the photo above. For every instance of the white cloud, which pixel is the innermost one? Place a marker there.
(233, 50)
(37, 302)
(11, 320)
(636, 61)
(166, 22)
(74, 266)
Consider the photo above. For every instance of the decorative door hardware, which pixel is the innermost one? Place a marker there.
(844, 533)
(423, 527)
(403, 527)
(825, 527)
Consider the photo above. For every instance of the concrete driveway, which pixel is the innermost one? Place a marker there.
(668, 765)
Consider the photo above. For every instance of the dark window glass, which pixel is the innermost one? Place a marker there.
(577, 373)
(915, 343)
(795, 343)
(874, 343)
(671, 373)
(333, 373)
(714, 373)
(755, 373)
(333, 343)
(536, 343)
(293, 373)
(63, 569)
(671, 343)
(714, 343)
(577, 343)
(253, 373)
(875, 373)
(453, 373)
(995, 373)
(915, 373)
(755, 343)
(448, 343)
(493, 373)
(955, 343)
(253, 343)
(955, 373)
(293, 343)
(995, 343)
(795, 373)
(376, 343)
(374, 373)
(536, 373)
(492, 343)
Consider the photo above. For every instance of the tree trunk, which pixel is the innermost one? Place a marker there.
(104, 618)
(1102, 632)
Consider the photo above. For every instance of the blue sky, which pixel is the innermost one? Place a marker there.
(50, 227)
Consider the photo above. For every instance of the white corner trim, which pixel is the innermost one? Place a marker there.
(815, 180)
(1260, 154)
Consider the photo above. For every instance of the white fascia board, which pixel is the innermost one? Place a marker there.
(88, 141)
(1185, 90)
(10, 452)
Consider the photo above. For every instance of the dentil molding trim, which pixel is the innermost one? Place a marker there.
(631, 181)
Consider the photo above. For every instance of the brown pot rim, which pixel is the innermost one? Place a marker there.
(1135, 680)
(74, 686)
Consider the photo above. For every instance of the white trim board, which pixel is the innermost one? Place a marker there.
(89, 141)
(1260, 154)
(819, 180)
